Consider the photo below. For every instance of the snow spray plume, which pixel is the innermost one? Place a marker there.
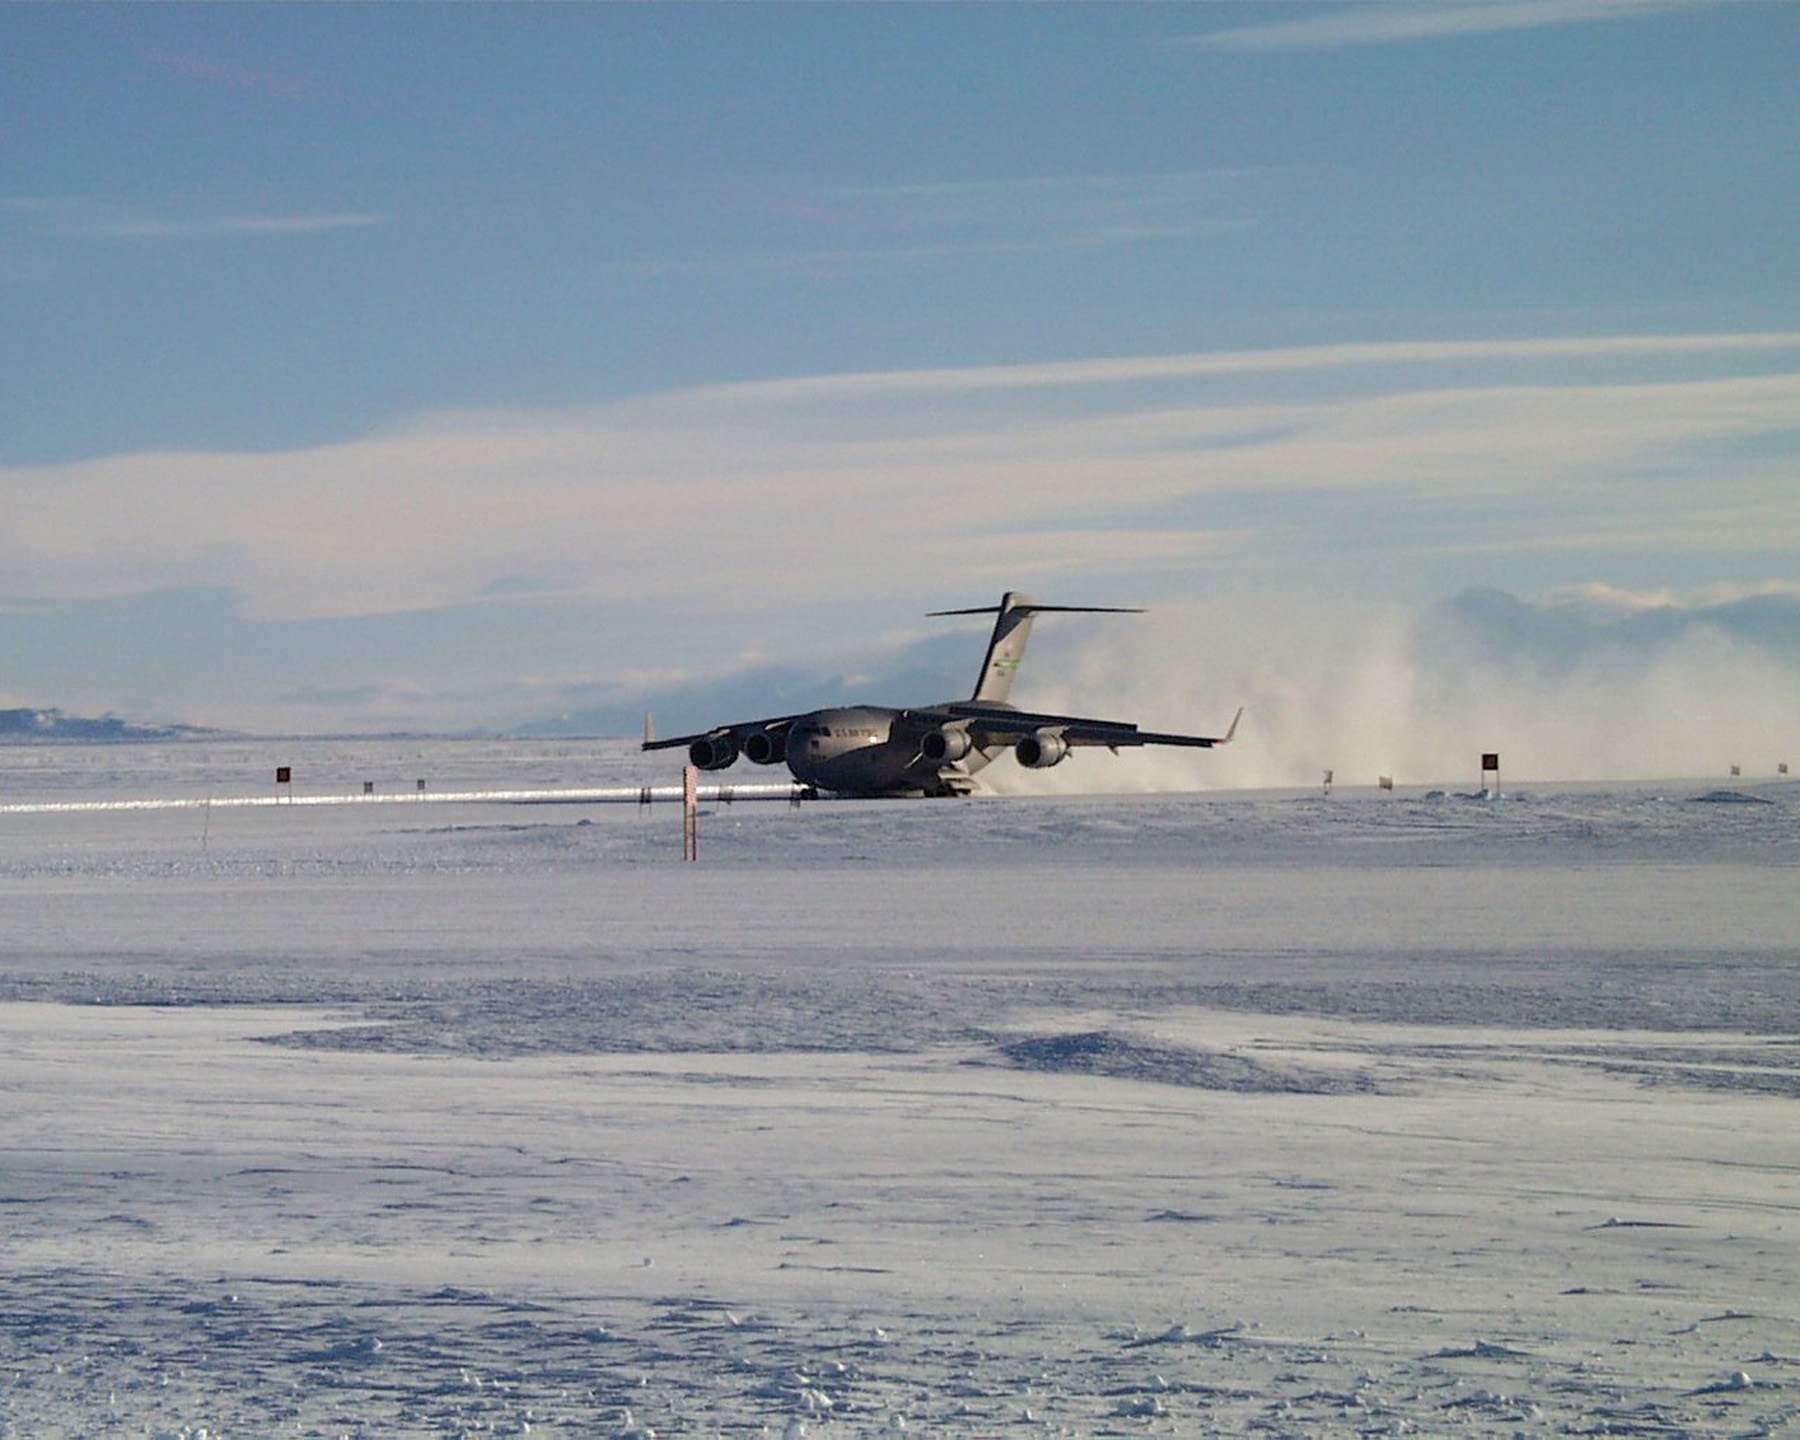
(1561, 692)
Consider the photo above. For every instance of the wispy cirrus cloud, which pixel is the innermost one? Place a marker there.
(845, 259)
(934, 222)
(108, 220)
(213, 72)
(1404, 355)
(1386, 22)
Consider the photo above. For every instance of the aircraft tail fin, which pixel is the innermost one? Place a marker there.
(1012, 628)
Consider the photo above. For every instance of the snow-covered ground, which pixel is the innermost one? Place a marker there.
(1221, 1114)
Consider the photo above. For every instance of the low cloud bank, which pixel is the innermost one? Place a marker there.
(887, 486)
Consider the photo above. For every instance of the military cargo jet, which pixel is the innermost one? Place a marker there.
(868, 750)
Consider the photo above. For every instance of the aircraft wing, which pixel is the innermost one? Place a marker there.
(993, 724)
(737, 732)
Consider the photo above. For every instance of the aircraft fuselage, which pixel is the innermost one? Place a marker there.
(871, 750)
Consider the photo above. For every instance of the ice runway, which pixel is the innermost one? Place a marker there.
(1205, 1115)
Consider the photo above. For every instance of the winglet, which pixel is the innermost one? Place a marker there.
(649, 730)
(1226, 739)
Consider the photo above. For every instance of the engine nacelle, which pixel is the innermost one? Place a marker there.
(1042, 750)
(942, 747)
(765, 747)
(712, 752)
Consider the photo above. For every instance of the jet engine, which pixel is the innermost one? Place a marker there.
(1042, 750)
(765, 747)
(713, 752)
(941, 747)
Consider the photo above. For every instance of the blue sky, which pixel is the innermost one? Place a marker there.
(372, 366)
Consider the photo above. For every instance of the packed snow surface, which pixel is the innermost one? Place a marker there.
(1255, 1113)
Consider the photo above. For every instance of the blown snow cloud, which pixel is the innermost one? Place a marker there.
(1589, 684)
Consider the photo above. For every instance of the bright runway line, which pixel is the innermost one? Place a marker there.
(642, 794)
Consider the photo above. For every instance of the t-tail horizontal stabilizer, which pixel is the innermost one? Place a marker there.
(1007, 646)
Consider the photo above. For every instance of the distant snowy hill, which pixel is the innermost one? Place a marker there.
(27, 727)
